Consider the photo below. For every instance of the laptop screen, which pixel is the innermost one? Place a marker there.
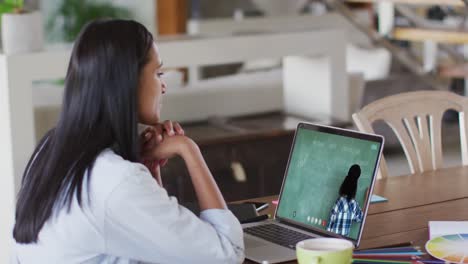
(329, 176)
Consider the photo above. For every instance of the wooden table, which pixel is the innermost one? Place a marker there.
(413, 200)
(436, 35)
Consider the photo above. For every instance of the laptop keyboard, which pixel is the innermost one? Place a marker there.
(277, 234)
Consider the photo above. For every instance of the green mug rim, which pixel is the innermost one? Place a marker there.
(325, 238)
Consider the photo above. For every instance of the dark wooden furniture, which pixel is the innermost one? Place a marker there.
(413, 200)
(171, 17)
(255, 146)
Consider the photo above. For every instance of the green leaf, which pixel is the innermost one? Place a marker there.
(14, 3)
(74, 14)
(6, 8)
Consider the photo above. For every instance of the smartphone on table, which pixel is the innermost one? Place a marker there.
(259, 206)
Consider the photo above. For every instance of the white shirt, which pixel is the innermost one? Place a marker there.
(131, 219)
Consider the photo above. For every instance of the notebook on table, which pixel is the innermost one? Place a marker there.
(442, 228)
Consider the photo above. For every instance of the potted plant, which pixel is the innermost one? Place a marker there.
(70, 16)
(21, 30)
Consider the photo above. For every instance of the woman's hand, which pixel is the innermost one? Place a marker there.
(151, 137)
(168, 128)
(206, 189)
(171, 146)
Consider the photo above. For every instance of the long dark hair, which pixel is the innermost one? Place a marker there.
(349, 186)
(99, 111)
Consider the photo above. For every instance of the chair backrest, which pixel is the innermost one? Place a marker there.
(416, 119)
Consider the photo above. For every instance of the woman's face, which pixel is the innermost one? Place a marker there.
(150, 90)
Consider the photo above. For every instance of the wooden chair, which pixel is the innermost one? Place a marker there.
(416, 119)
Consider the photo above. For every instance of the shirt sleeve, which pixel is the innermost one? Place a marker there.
(331, 221)
(143, 223)
(358, 212)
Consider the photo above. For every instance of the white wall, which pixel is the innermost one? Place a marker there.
(7, 192)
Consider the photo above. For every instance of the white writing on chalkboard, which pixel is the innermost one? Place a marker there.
(303, 160)
(351, 150)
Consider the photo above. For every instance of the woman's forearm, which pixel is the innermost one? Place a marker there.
(208, 194)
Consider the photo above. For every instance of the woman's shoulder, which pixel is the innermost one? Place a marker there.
(354, 203)
(110, 169)
(111, 161)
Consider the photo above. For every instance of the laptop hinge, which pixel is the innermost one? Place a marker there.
(303, 228)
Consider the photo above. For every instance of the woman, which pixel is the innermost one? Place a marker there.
(85, 196)
(346, 209)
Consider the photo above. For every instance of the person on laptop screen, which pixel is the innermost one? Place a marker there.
(346, 209)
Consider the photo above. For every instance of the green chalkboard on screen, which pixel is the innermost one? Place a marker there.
(318, 165)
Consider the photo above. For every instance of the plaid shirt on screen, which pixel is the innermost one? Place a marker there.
(342, 216)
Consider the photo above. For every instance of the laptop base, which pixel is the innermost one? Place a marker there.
(260, 250)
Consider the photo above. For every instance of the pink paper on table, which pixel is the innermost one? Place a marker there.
(274, 202)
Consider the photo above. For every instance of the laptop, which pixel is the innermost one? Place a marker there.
(326, 192)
